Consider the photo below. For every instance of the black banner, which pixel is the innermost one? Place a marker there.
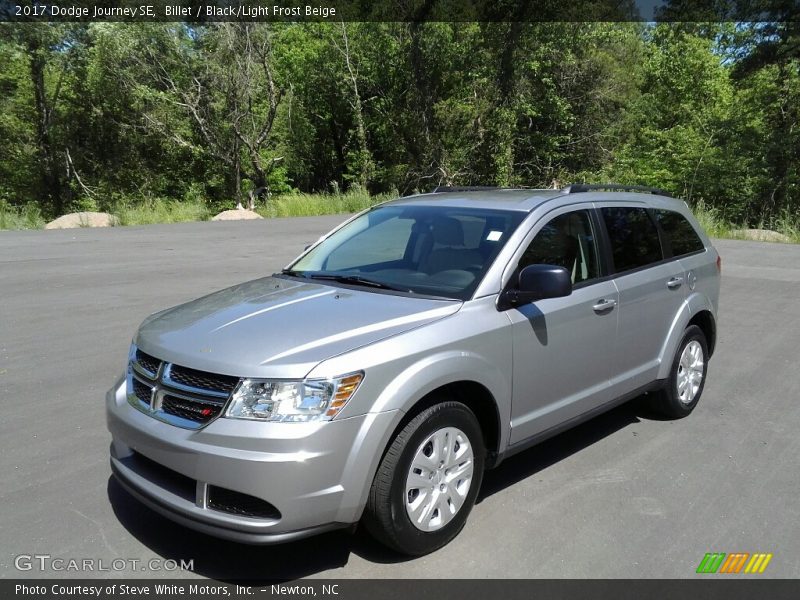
(732, 588)
(398, 10)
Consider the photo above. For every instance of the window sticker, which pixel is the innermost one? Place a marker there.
(494, 236)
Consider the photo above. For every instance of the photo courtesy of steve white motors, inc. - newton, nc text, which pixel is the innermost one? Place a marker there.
(419, 299)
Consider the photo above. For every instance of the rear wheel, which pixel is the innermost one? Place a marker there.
(687, 376)
(428, 480)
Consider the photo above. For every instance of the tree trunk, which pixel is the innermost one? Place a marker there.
(364, 158)
(238, 182)
(506, 82)
(51, 179)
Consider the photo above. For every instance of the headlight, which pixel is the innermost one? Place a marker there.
(292, 401)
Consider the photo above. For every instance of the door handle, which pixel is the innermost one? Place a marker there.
(604, 304)
(675, 283)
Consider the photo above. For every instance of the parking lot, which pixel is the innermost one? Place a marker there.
(622, 496)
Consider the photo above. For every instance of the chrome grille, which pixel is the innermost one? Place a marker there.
(183, 396)
(147, 363)
(142, 391)
(202, 381)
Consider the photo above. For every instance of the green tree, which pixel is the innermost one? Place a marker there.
(671, 134)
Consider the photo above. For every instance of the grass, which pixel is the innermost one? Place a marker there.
(308, 205)
(717, 226)
(26, 217)
(787, 224)
(162, 210)
(711, 220)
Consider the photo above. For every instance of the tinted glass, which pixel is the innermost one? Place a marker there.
(430, 250)
(681, 236)
(566, 241)
(633, 236)
(387, 241)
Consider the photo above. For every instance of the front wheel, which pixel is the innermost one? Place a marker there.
(687, 377)
(428, 480)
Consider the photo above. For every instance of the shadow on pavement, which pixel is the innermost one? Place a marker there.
(232, 562)
(539, 457)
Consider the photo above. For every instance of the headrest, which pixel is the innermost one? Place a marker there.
(448, 231)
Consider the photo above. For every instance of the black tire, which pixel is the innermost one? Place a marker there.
(667, 401)
(385, 516)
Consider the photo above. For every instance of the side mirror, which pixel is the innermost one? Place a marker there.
(537, 282)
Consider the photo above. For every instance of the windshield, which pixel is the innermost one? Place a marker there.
(428, 250)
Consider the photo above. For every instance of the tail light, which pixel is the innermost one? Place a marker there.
(719, 264)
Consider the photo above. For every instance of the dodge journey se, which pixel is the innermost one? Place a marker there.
(419, 343)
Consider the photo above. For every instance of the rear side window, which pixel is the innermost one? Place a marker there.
(681, 236)
(633, 236)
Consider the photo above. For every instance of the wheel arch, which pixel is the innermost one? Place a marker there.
(706, 322)
(698, 310)
(474, 396)
(459, 376)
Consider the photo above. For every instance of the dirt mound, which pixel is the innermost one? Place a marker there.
(83, 219)
(762, 235)
(236, 215)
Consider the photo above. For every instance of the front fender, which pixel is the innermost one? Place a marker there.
(437, 370)
(472, 345)
(398, 398)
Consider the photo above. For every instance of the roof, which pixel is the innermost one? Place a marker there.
(508, 199)
(526, 200)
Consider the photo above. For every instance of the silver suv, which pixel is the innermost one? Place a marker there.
(417, 344)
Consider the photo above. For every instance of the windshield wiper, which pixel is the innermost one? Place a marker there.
(358, 280)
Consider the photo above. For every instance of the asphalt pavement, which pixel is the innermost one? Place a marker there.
(622, 496)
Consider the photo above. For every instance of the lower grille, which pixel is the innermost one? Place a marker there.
(236, 503)
(162, 476)
(217, 499)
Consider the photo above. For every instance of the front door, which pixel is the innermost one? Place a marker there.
(564, 348)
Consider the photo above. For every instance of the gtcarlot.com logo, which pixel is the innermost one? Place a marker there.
(46, 562)
(734, 563)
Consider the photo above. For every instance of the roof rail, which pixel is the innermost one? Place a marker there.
(611, 187)
(464, 188)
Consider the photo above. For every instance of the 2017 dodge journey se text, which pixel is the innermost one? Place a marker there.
(417, 344)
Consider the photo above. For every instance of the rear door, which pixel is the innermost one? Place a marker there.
(651, 291)
(701, 274)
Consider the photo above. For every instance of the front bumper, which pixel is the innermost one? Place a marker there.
(315, 475)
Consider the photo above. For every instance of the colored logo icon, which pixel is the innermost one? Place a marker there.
(737, 562)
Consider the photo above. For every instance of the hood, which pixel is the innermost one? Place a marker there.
(276, 327)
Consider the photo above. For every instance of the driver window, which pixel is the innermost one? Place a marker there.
(566, 241)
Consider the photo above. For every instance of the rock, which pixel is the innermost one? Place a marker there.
(236, 215)
(83, 219)
(761, 235)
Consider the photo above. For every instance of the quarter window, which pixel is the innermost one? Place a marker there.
(566, 241)
(633, 236)
(681, 236)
